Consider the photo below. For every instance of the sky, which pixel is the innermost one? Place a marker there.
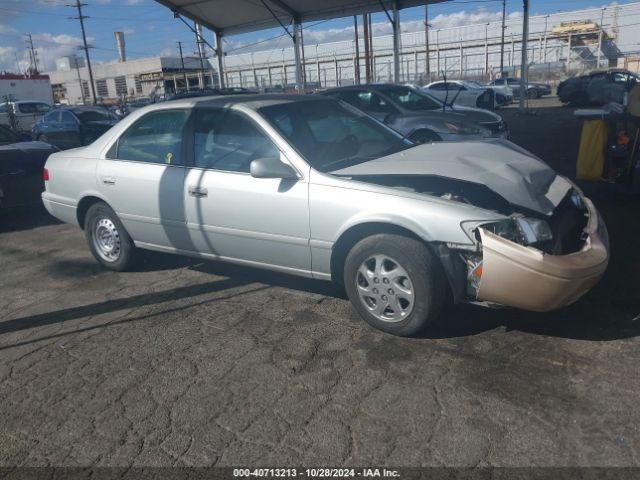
(150, 28)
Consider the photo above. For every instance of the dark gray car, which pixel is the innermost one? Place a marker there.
(420, 116)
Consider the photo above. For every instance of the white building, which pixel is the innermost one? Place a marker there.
(22, 87)
(133, 78)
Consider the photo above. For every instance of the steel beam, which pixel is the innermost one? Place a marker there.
(220, 59)
(396, 43)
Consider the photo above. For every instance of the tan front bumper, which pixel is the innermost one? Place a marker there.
(527, 278)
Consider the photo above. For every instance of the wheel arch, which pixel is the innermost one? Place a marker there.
(83, 206)
(353, 234)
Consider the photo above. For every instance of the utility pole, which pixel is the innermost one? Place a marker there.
(427, 69)
(75, 61)
(34, 66)
(184, 73)
(81, 17)
(504, 11)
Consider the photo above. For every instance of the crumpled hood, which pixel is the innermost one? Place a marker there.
(510, 171)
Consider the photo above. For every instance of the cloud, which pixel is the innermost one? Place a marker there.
(312, 36)
(7, 29)
(133, 2)
(128, 31)
(51, 47)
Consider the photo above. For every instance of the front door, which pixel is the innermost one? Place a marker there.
(142, 179)
(233, 215)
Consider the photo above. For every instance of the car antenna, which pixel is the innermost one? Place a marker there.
(455, 97)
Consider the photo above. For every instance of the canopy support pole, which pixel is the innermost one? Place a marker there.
(524, 61)
(396, 43)
(220, 59)
(297, 30)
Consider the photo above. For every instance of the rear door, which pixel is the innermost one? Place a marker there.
(142, 178)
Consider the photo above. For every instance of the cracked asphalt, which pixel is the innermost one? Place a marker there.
(191, 363)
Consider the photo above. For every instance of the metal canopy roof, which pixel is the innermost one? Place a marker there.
(229, 17)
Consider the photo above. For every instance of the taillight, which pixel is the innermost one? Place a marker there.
(45, 175)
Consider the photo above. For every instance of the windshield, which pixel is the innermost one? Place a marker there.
(412, 99)
(93, 115)
(333, 135)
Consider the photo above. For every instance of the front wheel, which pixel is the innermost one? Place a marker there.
(395, 283)
(532, 94)
(108, 240)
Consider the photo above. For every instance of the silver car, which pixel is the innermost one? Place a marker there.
(420, 116)
(314, 187)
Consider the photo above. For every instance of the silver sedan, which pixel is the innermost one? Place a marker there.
(314, 187)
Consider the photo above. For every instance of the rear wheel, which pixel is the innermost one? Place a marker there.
(532, 94)
(108, 240)
(395, 283)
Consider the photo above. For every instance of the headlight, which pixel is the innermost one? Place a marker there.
(522, 230)
(461, 129)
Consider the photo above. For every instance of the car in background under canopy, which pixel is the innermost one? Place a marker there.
(420, 116)
(21, 168)
(72, 127)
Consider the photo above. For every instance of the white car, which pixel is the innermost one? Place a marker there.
(460, 92)
(26, 114)
(312, 186)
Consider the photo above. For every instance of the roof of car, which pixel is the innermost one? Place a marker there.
(371, 86)
(253, 101)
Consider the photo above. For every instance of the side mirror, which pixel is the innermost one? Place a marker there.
(271, 167)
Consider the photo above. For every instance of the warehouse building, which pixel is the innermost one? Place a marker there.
(155, 76)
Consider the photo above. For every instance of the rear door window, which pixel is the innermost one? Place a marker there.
(154, 138)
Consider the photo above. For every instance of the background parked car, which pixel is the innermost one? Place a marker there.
(504, 93)
(26, 113)
(419, 116)
(534, 90)
(21, 165)
(74, 126)
(460, 92)
(597, 88)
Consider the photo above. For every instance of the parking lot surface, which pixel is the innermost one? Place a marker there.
(185, 362)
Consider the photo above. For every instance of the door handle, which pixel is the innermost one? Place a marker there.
(108, 180)
(198, 191)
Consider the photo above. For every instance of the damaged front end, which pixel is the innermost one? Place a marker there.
(538, 264)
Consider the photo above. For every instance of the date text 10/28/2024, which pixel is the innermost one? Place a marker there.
(316, 472)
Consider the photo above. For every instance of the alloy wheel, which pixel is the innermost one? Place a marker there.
(385, 288)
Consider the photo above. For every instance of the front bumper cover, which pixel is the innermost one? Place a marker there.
(524, 277)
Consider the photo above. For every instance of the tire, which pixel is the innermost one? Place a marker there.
(533, 94)
(579, 99)
(399, 256)
(425, 136)
(115, 250)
